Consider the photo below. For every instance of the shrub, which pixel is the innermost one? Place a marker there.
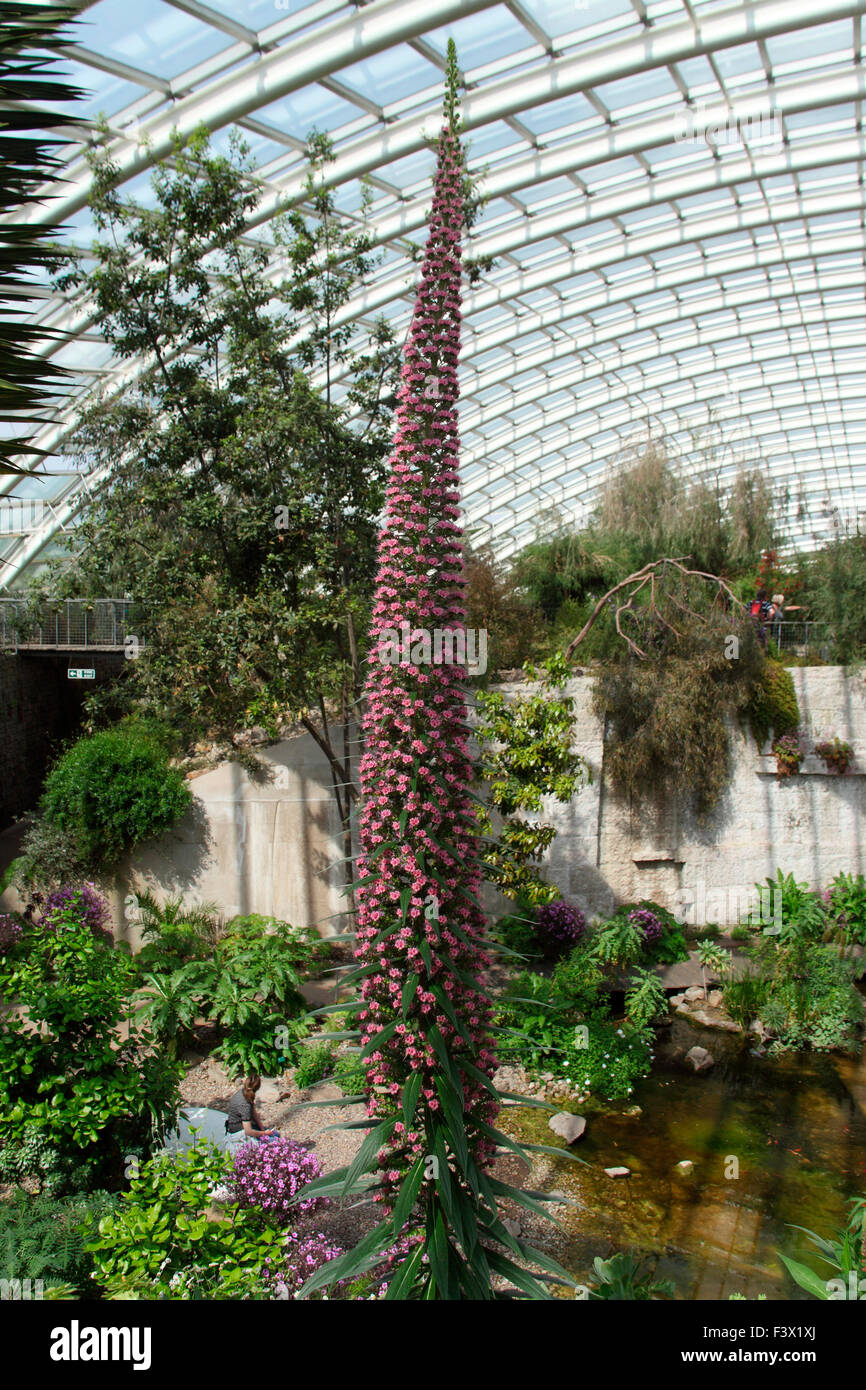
(77, 1092)
(614, 1058)
(559, 927)
(316, 1062)
(350, 1074)
(301, 1256)
(163, 1240)
(516, 931)
(267, 1175)
(803, 992)
(773, 707)
(113, 789)
(846, 907)
(85, 903)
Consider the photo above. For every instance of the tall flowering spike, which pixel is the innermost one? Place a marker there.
(424, 1016)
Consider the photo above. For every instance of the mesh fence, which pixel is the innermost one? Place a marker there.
(73, 623)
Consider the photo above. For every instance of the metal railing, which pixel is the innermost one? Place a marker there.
(801, 637)
(70, 624)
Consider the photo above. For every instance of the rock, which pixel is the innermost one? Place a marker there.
(708, 1020)
(685, 1166)
(569, 1127)
(512, 1227)
(632, 1111)
(512, 1079)
(715, 999)
(693, 994)
(700, 1059)
(677, 1000)
(618, 1172)
(547, 1076)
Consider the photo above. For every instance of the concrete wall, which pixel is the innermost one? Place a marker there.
(274, 847)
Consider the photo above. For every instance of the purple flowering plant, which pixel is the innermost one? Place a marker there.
(647, 923)
(559, 927)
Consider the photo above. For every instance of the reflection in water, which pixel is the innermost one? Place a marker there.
(774, 1142)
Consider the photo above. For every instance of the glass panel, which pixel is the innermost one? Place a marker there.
(162, 40)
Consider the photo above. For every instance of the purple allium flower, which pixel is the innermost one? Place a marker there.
(559, 925)
(646, 922)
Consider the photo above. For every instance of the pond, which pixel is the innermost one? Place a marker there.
(774, 1142)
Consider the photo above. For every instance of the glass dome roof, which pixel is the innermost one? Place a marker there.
(674, 207)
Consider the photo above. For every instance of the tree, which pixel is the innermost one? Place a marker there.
(424, 1016)
(28, 80)
(241, 502)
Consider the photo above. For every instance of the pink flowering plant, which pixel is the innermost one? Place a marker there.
(266, 1176)
(424, 1019)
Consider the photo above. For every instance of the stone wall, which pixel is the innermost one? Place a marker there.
(274, 847)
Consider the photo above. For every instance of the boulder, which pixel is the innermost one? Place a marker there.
(618, 1172)
(677, 1000)
(693, 994)
(700, 1059)
(569, 1127)
(715, 999)
(512, 1079)
(685, 1166)
(712, 1020)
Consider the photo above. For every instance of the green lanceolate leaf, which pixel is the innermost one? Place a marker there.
(409, 990)
(409, 1099)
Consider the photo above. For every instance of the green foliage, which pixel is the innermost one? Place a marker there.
(647, 510)
(842, 1255)
(516, 931)
(525, 755)
(799, 911)
(316, 1062)
(246, 978)
(576, 980)
(112, 790)
(163, 1241)
(618, 941)
(242, 504)
(803, 992)
(564, 1025)
(44, 1237)
(174, 934)
(625, 1277)
(33, 79)
(846, 908)
(772, 706)
(78, 1093)
(836, 586)
(350, 1074)
(645, 999)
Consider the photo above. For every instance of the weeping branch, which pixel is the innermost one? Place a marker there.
(653, 574)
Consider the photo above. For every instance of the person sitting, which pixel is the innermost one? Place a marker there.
(243, 1121)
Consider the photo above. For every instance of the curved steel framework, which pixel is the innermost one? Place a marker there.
(674, 211)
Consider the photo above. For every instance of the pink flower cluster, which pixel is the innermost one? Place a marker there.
(266, 1175)
(420, 924)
